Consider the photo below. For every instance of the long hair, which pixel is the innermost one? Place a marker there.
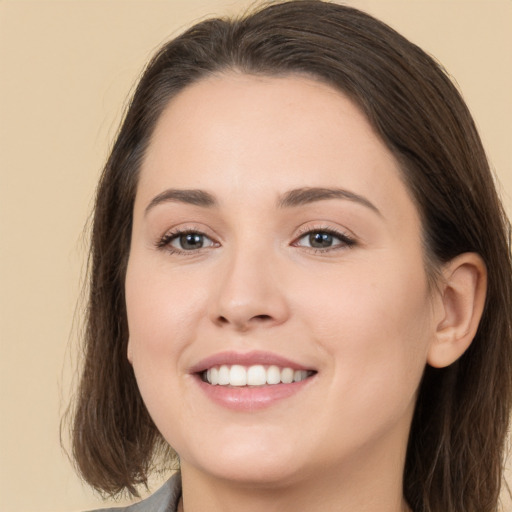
(456, 444)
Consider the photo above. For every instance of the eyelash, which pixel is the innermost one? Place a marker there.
(346, 241)
(166, 241)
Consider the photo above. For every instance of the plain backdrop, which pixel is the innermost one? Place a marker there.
(66, 69)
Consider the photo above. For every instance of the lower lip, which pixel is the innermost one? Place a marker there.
(245, 398)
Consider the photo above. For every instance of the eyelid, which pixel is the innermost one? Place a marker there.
(164, 242)
(346, 238)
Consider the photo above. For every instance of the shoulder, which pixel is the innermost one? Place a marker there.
(164, 500)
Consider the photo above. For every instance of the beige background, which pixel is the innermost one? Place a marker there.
(66, 69)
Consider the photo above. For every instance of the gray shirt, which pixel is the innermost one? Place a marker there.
(164, 500)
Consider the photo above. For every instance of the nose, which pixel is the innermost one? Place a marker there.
(250, 293)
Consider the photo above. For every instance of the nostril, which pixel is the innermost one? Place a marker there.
(262, 317)
(222, 320)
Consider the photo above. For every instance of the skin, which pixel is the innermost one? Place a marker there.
(361, 315)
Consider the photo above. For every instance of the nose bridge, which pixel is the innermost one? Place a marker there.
(248, 291)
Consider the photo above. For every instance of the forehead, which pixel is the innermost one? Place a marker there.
(245, 110)
(238, 133)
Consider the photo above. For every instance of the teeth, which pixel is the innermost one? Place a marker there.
(299, 375)
(223, 375)
(287, 376)
(238, 376)
(273, 375)
(257, 375)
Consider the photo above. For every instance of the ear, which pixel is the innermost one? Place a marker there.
(462, 294)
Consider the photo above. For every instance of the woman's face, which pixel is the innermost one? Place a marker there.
(273, 240)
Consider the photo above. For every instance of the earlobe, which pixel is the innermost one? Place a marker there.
(463, 292)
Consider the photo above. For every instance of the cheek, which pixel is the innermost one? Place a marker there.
(375, 327)
(162, 318)
(162, 312)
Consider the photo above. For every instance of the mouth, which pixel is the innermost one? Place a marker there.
(251, 381)
(238, 375)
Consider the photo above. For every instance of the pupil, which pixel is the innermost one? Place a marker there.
(191, 241)
(320, 240)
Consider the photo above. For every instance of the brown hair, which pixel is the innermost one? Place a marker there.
(456, 445)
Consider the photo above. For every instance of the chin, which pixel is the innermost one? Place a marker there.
(253, 463)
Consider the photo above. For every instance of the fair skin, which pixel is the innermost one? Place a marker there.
(252, 269)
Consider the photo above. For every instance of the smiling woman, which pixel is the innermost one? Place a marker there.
(277, 282)
(300, 278)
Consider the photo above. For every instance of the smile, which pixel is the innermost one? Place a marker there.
(250, 381)
(237, 375)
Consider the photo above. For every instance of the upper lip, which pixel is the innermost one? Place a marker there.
(246, 359)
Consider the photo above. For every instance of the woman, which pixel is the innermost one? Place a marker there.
(300, 278)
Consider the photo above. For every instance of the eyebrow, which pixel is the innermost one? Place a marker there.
(306, 195)
(290, 199)
(188, 196)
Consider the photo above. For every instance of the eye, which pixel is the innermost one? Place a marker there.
(185, 241)
(324, 239)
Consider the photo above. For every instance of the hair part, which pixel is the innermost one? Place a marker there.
(455, 452)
